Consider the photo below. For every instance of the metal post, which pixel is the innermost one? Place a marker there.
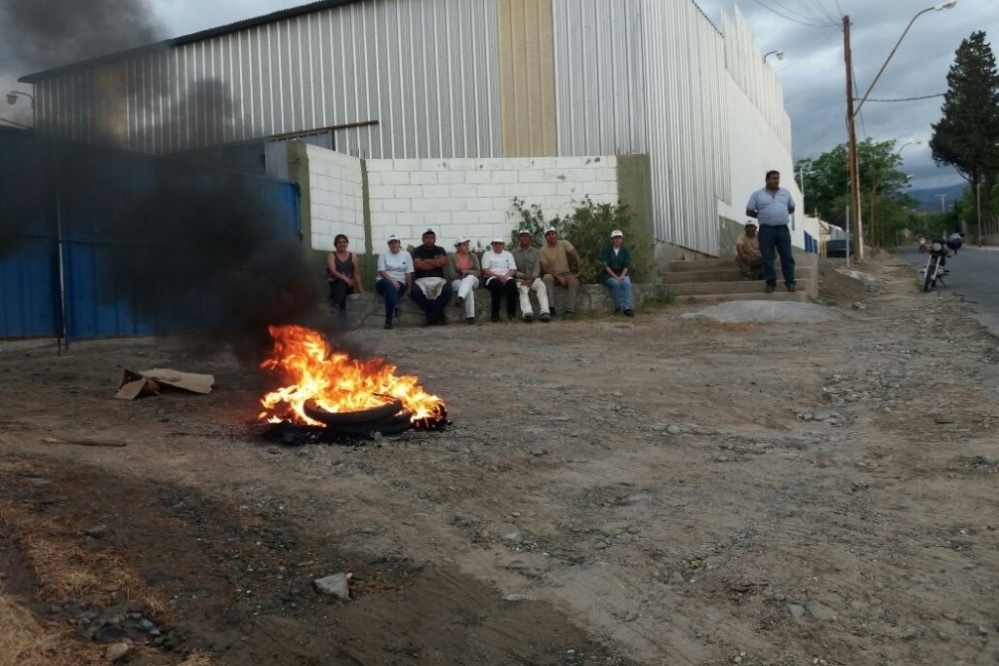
(978, 214)
(851, 129)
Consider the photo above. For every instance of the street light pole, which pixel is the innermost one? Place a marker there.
(852, 113)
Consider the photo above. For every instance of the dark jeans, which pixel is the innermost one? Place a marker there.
(498, 290)
(433, 308)
(338, 295)
(778, 238)
(387, 290)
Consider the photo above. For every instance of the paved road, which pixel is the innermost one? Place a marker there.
(975, 275)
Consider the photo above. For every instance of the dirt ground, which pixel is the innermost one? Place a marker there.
(649, 491)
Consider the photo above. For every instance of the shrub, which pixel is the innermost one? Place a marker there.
(589, 228)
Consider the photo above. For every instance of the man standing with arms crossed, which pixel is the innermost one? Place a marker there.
(773, 206)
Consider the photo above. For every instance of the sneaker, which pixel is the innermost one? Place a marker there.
(791, 286)
(458, 302)
(552, 312)
(470, 320)
(629, 313)
(388, 326)
(545, 317)
(770, 288)
(528, 318)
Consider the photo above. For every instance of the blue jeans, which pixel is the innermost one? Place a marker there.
(620, 292)
(778, 238)
(387, 290)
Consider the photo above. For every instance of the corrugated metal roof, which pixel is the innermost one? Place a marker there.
(187, 39)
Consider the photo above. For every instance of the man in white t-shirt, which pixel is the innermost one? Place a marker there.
(499, 269)
(395, 277)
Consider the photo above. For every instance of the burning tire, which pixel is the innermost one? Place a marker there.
(393, 425)
(363, 417)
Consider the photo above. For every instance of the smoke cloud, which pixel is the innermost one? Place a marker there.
(183, 247)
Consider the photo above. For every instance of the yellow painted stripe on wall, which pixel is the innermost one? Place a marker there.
(527, 78)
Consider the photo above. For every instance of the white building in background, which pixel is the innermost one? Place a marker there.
(475, 79)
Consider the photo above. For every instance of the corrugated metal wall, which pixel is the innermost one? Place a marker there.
(646, 76)
(600, 74)
(687, 115)
(424, 69)
(761, 85)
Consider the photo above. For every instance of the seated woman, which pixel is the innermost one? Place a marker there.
(617, 265)
(343, 273)
(463, 269)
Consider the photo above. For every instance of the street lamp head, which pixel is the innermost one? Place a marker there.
(12, 98)
(779, 53)
(945, 5)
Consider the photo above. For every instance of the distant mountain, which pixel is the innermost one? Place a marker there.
(929, 199)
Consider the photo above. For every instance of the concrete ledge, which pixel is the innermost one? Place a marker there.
(368, 310)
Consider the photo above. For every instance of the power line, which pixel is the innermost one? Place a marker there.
(791, 18)
(907, 99)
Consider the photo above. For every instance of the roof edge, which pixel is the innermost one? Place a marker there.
(291, 12)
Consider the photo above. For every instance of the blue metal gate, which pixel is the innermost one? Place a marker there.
(97, 209)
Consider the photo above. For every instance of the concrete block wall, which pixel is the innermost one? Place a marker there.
(337, 198)
(474, 197)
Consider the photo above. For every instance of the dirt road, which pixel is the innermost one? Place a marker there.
(647, 491)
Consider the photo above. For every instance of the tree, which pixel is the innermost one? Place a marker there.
(966, 136)
(827, 186)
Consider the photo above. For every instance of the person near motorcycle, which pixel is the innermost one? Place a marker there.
(955, 241)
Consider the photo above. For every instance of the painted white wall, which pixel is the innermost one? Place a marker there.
(473, 197)
(756, 149)
(336, 197)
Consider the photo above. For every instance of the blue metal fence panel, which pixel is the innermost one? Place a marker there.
(29, 291)
(29, 267)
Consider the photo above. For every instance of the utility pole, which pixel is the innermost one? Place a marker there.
(942, 198)
(852, 144)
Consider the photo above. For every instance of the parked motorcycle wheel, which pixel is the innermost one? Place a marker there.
(931, 271)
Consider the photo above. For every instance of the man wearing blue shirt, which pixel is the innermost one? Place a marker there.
(773, 206)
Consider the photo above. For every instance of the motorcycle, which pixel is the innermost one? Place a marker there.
(934, 271)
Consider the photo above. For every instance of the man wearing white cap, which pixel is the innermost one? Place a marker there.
(529, 278)
(747, 251)
(555, 256)
(617, 266)
(463, 270)
(499, 268)
(395, 277)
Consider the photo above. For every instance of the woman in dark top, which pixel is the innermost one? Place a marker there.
(344, 273)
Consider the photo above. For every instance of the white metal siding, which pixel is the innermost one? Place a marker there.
(600, 80)
(424, 69)
(646, 76)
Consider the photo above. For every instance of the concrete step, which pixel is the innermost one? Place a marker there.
(721, 263)
(738, 287)
(794, 297)
(730, 274)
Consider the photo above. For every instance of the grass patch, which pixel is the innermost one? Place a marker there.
(24, 641)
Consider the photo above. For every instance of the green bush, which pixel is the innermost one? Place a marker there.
(589, 228)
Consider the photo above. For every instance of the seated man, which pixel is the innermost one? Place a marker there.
(554, 257)
(498, 268)
(747, 253)
(395, 277)
(431, 290)
(529, 279)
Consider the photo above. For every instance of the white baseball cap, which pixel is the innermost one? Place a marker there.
(393, 237)
(498, 239)
(522, 232)
(617, 233)
(550, 230)
(750, 223)
(460, 239)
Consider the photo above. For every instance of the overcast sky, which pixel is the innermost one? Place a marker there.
(812, 71)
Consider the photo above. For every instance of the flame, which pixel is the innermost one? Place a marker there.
(334, 381)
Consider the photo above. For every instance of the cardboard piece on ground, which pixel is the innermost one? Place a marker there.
(133, 384)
